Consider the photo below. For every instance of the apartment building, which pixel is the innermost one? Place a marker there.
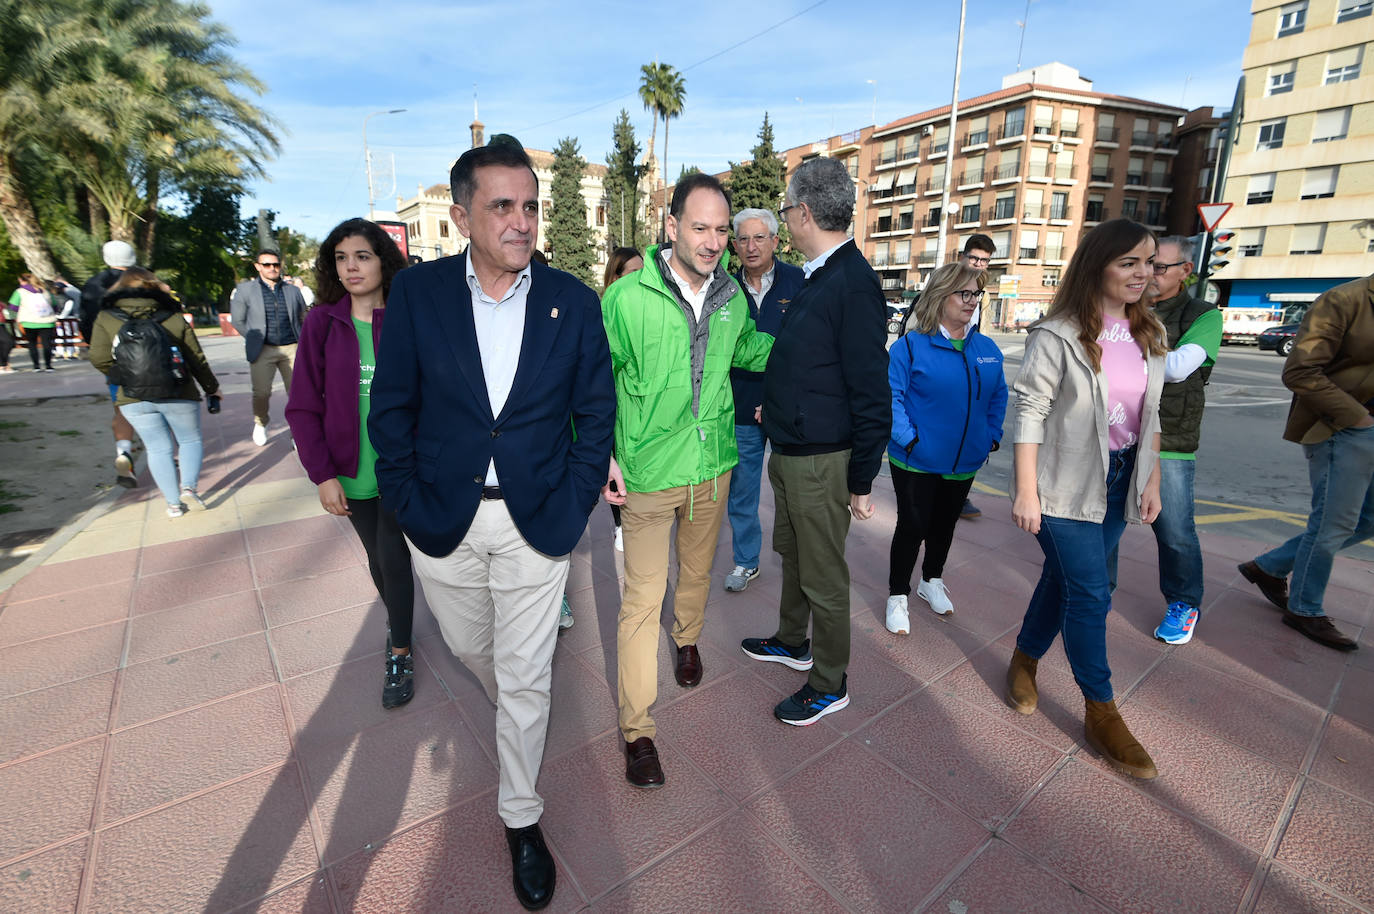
(1033, 165)
(1301, 174)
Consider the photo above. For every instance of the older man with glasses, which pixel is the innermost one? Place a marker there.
(1194, 328)
(267, 313)
(769, 286)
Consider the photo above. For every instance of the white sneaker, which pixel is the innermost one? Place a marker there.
(619, 539)
(192, 497)
(176, 510)
(259, 434)
(898, 620)
(936, 594)
(565, 616)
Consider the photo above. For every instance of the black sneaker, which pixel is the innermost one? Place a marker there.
(772, 650)
(806, 705)
(969, 511)
(399, 687)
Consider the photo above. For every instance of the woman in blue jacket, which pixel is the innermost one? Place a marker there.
(948, 401)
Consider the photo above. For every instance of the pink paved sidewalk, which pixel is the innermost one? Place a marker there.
(190, 720)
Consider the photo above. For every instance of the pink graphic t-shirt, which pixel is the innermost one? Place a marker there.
(1123, 365)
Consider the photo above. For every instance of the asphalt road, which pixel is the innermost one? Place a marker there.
(1250, 482)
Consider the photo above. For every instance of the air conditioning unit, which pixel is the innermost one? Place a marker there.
(927, 130)
(1056, 147)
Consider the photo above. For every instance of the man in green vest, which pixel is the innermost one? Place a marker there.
(1194, 329)
(676, 328)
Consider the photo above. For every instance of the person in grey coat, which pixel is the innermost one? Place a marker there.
(267, 313)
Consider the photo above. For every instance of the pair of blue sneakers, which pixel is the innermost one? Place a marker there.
(1179, 621)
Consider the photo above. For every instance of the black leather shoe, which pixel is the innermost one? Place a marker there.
(688, 669)
(532, 867)
(1320, 629)
(641, 764)
(1275, 590)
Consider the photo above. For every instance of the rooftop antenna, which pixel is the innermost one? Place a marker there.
(1022, 46)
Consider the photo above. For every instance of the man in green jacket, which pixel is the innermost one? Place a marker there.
(676, 328)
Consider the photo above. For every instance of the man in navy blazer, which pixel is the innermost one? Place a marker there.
(492, 416)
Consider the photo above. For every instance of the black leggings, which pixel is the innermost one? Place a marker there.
(388, 560)
(928, 507)
(6, 344)
(45, 336)
(615, 513)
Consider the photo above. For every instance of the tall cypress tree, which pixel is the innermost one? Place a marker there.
(622, 186)
(570, 237)
(761, 183)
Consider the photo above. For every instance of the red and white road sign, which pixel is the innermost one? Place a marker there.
(1212, 214)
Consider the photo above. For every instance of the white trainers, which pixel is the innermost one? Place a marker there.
(259, 434)
(936, 594)
(565, 616)
(192, 498)
(898, 619)
(619, 539)
(176, 510)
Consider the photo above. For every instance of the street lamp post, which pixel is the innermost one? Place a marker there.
(367, 156)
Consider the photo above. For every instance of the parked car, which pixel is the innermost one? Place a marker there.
(894, 317)
(1279, 338)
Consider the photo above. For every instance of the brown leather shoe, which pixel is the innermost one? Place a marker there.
(641, 764)
(1022, 694)
(1321, 630)
(1275, 590)
(1108, 734)
(688, 669)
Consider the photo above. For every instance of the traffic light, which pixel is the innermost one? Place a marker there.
(1220, 255)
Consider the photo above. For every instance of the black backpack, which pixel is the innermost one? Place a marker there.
(147, 363)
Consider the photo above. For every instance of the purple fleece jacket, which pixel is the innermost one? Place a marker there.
(322, 408)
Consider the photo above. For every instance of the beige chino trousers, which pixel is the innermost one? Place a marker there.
(647, 525)
(271, 361)
(496, 599)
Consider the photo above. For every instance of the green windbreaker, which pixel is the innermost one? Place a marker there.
(675, 414)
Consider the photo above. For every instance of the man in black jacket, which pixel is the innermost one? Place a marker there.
(827, 411)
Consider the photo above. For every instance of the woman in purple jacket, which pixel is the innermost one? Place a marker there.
(327, 410)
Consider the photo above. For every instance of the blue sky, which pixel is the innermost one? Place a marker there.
(548, 69)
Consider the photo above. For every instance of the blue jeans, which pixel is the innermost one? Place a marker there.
(156, 423)
(743, 505)
(1342, 472)
(1074, 593)
(1180, 553)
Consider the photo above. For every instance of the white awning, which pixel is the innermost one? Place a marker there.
(907, 177)
(884, 181)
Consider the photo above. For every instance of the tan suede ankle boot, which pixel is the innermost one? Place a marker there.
(1109, 735)
(1022, 694)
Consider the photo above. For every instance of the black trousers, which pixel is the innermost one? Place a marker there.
(388, 560)
(6, 344)
(43, 336)
(928, 507)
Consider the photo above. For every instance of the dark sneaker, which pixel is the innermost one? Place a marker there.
(806, 705)
(1321, 630)
(737, 580)
(1275, 590)
(771, 650)
(399, 686)
(969, 512)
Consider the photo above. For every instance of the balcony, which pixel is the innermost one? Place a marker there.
(1007, 170)
(932, 219)
(1004, 209)
(1011, 131)
(1095, 212)
(1059, 210)
(1063, 172)
(936, 149)
(974, 138)
(1028, 254)
(926, 259)
(1100, 176)
(1143, 139)
(969, 178)
(1068, 131)
(892, 284)
(1054, 253)
(879, 261)
(1108, 134)
(969, 215)
(934, 182)
(1135, 178)
(1035, 213)
(1039, 170)
(883, 159)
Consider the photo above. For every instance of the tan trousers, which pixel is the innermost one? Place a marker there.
(647, 522)
(271, 360)
(496, 600)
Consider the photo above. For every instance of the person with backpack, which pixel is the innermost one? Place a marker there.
(142, 340)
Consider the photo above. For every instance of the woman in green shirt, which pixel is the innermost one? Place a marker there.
(327, 409)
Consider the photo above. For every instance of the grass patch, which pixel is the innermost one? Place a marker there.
(15, 424)
(69, 432)
(7, 495)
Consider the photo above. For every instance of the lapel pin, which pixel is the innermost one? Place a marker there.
(553, 313)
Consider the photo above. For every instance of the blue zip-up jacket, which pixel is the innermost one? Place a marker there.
(947, 405)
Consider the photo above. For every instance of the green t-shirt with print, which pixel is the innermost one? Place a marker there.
(364, 485)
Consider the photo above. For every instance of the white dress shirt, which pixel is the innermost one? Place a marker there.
(765, 282)
(697, 300)
(500, 329)
(812, 266)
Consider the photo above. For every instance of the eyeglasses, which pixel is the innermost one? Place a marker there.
(976, 261)
(757, 241)
(269, 264)
(967, 297)
(782, 213)
(1165, 267)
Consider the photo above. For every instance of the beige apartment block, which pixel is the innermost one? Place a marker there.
(1301, 175)
(1032, 165)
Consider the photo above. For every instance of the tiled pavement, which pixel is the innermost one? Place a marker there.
(190, 720)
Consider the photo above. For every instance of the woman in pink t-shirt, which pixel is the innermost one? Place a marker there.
(1087, 461)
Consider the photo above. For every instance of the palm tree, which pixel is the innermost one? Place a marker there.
(662, 91)
(648, 94)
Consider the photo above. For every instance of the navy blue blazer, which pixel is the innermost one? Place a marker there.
(788, 281)
(431, 421)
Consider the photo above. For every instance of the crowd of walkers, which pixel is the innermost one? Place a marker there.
(468, 443)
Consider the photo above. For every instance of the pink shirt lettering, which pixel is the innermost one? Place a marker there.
(1123, 365)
